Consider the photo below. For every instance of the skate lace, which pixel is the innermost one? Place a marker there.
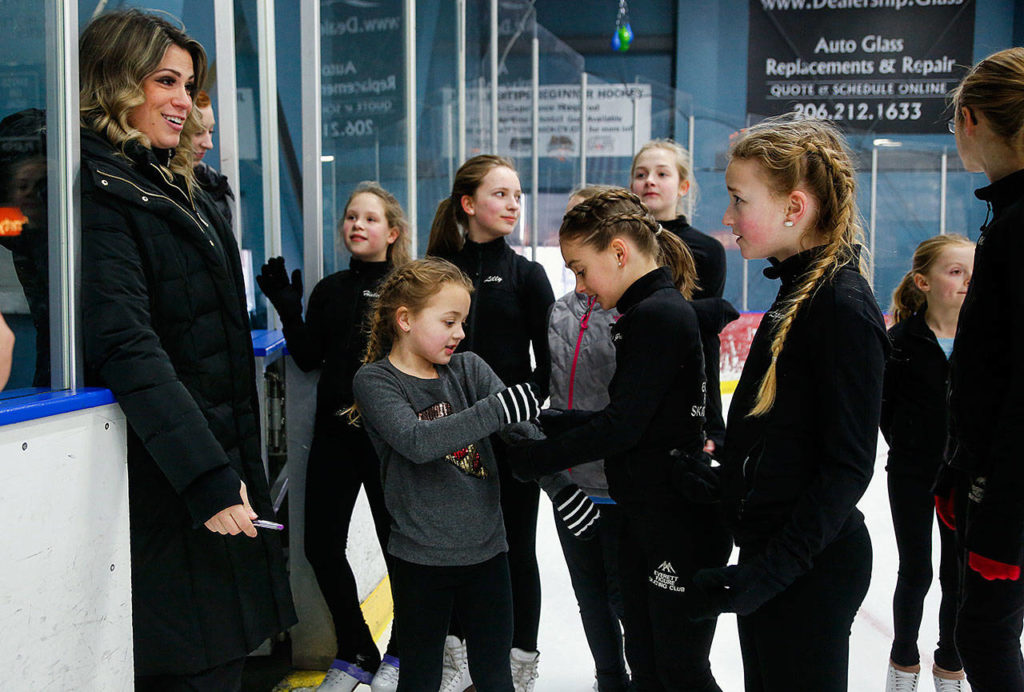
(337, 680)
(386, 673)
(454, 665)
(900, 681)
(946, 685)
(524, 673)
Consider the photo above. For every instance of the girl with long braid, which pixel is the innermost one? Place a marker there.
(803, 423)
(650, 434)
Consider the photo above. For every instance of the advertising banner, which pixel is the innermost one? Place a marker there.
(884, 66)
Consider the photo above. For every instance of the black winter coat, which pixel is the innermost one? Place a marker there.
(657, 398)
(333, 336)
(166, 329)
(793, 476)
(986, 380)
(508, 313)
(914, 399)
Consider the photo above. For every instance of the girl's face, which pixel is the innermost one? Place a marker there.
(431, 335)
(365, 229)
(756, 215)
(945, 284)
(168, 90)
(598, 272)
(656, 181)
(202, 141)
(493, 209)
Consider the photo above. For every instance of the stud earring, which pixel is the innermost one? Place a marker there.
(787, 224)
(620, 263)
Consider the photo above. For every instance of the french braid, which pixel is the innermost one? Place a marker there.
(617, 212)
(410, 286)
(809, 155)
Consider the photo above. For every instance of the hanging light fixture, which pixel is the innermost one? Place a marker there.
(622, 39)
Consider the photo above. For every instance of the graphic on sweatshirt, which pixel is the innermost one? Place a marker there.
(466, 459)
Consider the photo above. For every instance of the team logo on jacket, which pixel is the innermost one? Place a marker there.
(665, 577)
(493, 279)
(466, 459)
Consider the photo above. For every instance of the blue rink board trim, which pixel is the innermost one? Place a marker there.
(266, 342)
(44, 404)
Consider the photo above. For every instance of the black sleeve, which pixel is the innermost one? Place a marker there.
(890, 388)
(712, 279)
(305, 339)
(848, 373)
(642, 379)
(539, 299)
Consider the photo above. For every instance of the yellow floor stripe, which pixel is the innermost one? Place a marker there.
(729, 386)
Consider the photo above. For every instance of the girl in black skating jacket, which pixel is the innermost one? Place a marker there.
(341, 458)
(508, 315)
(981, 487)
(803, 423)
(662, 176)
(925, 307)
(651, 429)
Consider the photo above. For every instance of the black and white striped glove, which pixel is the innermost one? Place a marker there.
(577, 511)
(518, 403)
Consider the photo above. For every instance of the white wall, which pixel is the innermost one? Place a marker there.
(65, 582)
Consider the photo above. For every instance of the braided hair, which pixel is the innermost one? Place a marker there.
(810, 155)
(448, 229)
(411, 286)
(617, 212)
(907, 299)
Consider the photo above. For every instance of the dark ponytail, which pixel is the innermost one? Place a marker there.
(447, 231)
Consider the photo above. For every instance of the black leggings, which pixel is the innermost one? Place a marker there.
(340, 462)
(661, 545)
(800, 640)
(913, 514)
(594, 571)
(426, 598)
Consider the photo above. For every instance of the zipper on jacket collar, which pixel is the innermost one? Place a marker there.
(199, 221)
(584, 323)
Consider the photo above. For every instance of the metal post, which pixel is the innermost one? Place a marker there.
(874, 211)
(312, 166)
(227, 99)
(942, 194)
(690, 139)
(62, 164)
(269, 140)
(583, 129)
(410, 120)
(535, 136)
(460, 77)
(636, 117)
(494, 76)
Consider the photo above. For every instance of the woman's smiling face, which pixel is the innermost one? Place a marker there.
(168, 89)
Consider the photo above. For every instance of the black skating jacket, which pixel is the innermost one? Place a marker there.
(713, 312)
(793, 476)
(986, 396)
(509, 312)
(333, 336)
(165, 328)
(914, 399)
(656, 398)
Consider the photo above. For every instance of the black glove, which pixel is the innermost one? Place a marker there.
(519, 403)
(695, 479)
(554, 421)
(577, 511)
(739, 589)
(286, 297)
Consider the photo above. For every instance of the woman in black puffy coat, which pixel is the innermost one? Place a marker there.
(166, 329)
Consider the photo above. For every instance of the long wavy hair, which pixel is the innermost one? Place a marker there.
(809, 155)
(398, 251)
(410, 286)
(449, 228)
(117, 51)
(907, 299)
(616, 212)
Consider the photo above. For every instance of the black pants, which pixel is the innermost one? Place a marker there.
(426, 597)
(340, 462)
(913, 515)
(661, 546)
(519, 502)
(800, 640)
(594, 571)
(988, 625)
(226, 677)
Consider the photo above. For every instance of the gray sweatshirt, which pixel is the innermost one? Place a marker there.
(438, 469)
